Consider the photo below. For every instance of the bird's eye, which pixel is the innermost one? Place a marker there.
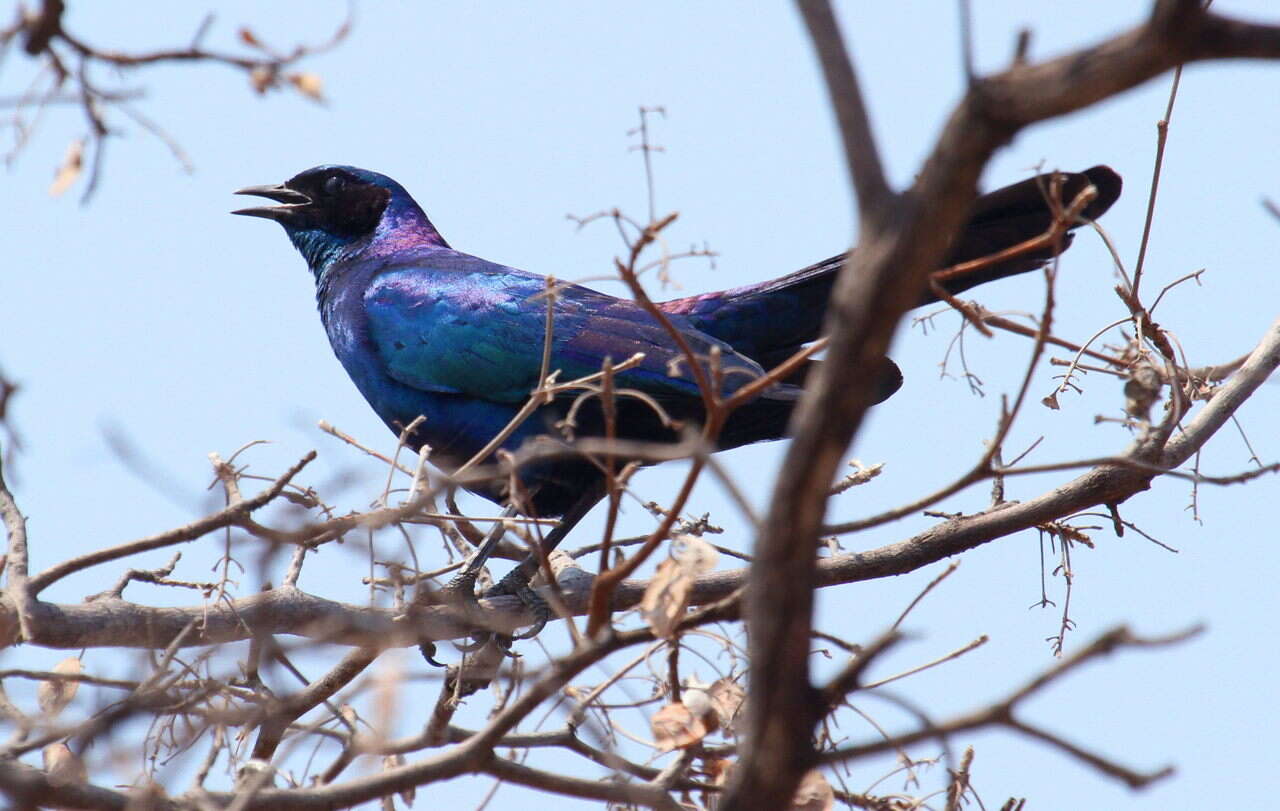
(334, 185)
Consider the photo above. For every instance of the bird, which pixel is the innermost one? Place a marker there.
(427, 331)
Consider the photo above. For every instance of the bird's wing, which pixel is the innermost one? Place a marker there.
(466, 326)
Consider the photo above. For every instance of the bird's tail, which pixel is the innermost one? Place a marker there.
(771, 320)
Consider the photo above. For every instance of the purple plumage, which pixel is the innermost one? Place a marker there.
(426, 330)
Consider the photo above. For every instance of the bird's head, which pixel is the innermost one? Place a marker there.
(331, 212)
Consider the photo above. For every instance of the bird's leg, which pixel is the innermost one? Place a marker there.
(462, 588)
(516, 581)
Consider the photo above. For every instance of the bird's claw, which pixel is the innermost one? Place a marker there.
(478, 640)
(515, 584)
(460, 592)
(428, 651)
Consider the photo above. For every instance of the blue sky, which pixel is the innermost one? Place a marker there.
(151, 318)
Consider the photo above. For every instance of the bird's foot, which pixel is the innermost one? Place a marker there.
(516, 583)
(460, 593)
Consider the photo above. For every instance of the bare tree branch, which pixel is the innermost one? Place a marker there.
(225, 518)
(885, 275)
(875, 198)
(202, 700)
(21, 594)
(1002, 712)
(286, 610)
(279, 717)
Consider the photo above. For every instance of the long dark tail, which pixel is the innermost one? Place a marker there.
(771, 320)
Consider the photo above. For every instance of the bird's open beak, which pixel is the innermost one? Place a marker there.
(292, 201)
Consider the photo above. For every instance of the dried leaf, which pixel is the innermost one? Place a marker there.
(727, 697)
(54, 695)
(262, 78)
(1051, 401)
(814, 794)
(248, 38)
(675, 727)
(694, 555)
(667, 595)
(1142, 391)
(308, 84)
(63, 766)
(666, 598)
(69, 171)
(718, 769)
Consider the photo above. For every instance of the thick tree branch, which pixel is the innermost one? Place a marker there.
(28, 787)
(113, 622)
(903, 238)
(884, 277)
(874, 194)
(20, 593)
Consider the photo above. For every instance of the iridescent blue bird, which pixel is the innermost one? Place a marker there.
(425, 330)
